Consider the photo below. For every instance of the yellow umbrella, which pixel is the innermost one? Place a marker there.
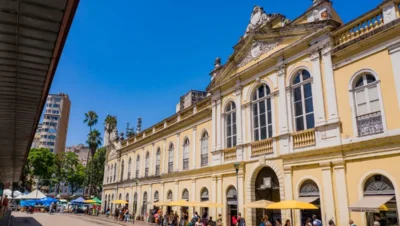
(119, 202)
(181, 203)
(165, 203)
(292, 204)
(89, 201)
(208, 204)
(260, 204)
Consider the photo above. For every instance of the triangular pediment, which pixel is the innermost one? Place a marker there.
(263, 43)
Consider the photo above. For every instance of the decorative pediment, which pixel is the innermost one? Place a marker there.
(257, 49)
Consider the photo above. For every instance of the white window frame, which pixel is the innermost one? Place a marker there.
(158, 157)
(353, 104)
(185, 155)
(232, 126)
(147, 164)
(137, 173)
(129, 168)
(204, 148)
(122, 169)
(301, 84)
(171, 158)
(257, 102)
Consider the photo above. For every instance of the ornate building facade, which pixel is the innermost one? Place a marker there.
(305, 109)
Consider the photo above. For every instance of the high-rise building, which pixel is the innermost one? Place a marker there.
(53, 129)
(81, 151)
(36, 139)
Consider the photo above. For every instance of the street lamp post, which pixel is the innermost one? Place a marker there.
(237, 165)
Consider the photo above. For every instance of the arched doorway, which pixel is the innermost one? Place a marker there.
(204, 197)
(144, 206)
(169, 198)
(309, 192)
(112, 205)
(231, 201)
(378, 201)
(105, 204)
(134, 203)
(267, 188)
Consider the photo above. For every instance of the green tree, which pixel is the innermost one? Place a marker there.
(90, 119)
(110, 124)
(40, 163)
(76, 178)
(96, 172)
(94, 140)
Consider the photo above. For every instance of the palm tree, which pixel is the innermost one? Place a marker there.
(90, 119)
(110, 123)
(94, 140)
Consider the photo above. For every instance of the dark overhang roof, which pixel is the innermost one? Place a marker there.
(32, 36)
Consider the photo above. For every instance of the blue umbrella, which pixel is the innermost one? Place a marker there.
(78, 201)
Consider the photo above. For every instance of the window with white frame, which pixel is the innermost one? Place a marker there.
(367, 105)
(115, 171)
(204, 149)
(108, 172)
(129, 168)
(303, 107)
(230, 124)
(158, 153)
(186, 154)
(262, 113)
(137, 166)
(146, 167)
(122, 170)
(170, 158)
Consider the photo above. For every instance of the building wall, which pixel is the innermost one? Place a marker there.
(331, 153)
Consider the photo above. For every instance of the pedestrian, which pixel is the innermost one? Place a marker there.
(234, 220)
(51, 208)
(108, 212)
(316, 221)
(116, 213)
(331, 223)
(5, 203)
(198, 223)
(210, 222)
(278, 222)
(241, 220)
(166, 220)
(351, 223)
(308, 222)
(376, 223)
(287, 223)
(126, 216)
(219, 220)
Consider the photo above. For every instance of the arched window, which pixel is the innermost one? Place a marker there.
(170, 158)
(303, 101)
(122, 170)
(120, 196)
(230, 125)
(127, 197)
(262, 113)
(115, 171)
(185, 195)
(186, 154)
(137, 166)
(367, 105)
(129, 168)
(135, 202)
(169, 195)
(156, 196)
(204, 149)
(146, 167)
(158, 161)
(204, 195)
(144, 206)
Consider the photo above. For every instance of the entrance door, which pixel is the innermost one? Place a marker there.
(232, 211)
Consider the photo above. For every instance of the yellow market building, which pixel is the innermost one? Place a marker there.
(305, 110)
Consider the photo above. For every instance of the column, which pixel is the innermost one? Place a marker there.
(219, 136)
(177, 146)
(151, 161)
(163, 156)
(139, 200)
(288, 186)
(341, 191)
(394, 52)
(329, 83)
(328, 201)
(192, 196)
(213, 211)
(194, 150)
(282, 110)
(161, 196)
(176, 194)
(318, 94)
(241, 191)
(238, 93)
(213, 124)
(150, 198)
(219, 193)
(248, 133)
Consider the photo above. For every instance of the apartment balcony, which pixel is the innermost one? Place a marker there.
(261, 147)
(369, 124)
(304, 138)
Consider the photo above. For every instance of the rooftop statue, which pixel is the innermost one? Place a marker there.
(258, 17)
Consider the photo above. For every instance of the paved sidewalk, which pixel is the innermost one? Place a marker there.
(112, 220)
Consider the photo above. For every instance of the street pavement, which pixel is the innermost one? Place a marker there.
(44, 219)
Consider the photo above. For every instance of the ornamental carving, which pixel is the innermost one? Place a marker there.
(378, 184)
(257, 49)
(309, 188)
(258, 17)
(369, 124)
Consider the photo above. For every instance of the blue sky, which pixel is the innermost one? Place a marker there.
(136, 58)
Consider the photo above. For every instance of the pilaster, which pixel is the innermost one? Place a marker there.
(213, 124)
(328, 200)
(152, 159)
(176, 154)
(163, 156)
(219, 124)
(329, 83)
(219, 193)
(282, 107)
(318, 94)
(193, 195)
(213, 211)
(238, 93)
(394, 52)
(288, 186)
(241, 191)
(389, 12)
(341, 191)
(194, 150)
(176, 193)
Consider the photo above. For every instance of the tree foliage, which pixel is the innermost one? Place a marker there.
(94, 140)
(90, 119)
(95, 172)
(110, 124)
(40, 163)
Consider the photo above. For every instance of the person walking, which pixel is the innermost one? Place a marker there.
(287, 223)
(316, 221)
(331, 223)
(241, 220)
(351, 223)
(219, 220)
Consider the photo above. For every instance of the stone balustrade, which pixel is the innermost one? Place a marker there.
(304, 138)
(261, 147)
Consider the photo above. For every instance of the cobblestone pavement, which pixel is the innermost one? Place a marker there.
(42, 219)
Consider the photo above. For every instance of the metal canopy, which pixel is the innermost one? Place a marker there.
(32, 36)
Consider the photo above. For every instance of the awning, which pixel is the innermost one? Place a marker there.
(308, 199)
(370, 203)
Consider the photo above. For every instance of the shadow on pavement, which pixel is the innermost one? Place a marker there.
(22, 221)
